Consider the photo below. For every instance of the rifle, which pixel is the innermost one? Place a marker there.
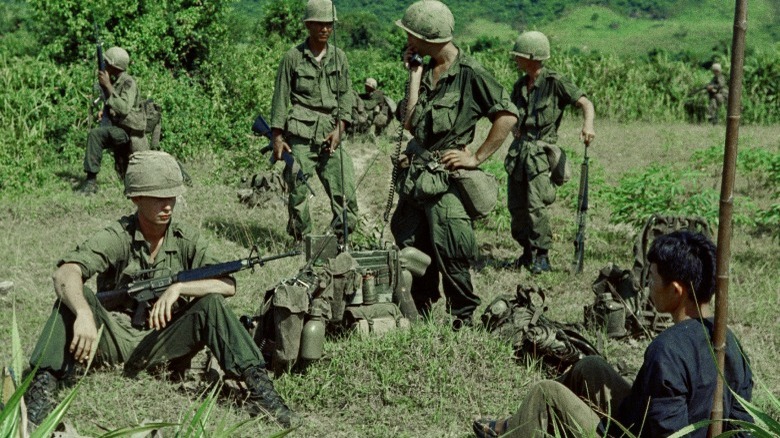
(101, 64)
(260, 127)
(582, 214)
(143, 290)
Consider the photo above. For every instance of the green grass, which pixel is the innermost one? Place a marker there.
(428, 382)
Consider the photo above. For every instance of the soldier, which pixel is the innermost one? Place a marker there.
(541, 96)
(184, 319)
(676, 382)
(718, 92)
(446, 98)
(312, 105)
(376, 106)
(122, 130)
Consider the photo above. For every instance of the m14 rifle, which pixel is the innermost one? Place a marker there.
(260, 127)
(143, 291)
(582, 215)
(101, 64)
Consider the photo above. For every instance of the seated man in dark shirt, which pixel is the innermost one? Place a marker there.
(676, 383)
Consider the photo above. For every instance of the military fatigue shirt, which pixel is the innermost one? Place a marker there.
(541, 109)
(120, 251)
(445, 117)
(310, 95)
(373, 99)
(719, 85)
(125, 104)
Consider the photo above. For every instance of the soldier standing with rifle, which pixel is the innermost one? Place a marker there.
(311, 107)
(718, 91)
(187, 316)
(534, 163)
(446, 98)
(122, 119)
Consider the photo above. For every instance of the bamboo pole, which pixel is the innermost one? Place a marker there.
(726, 208)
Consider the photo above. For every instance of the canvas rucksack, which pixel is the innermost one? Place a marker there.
(622, 305)
(519, 319)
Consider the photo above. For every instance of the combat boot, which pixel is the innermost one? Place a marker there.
(541, 263)
(88, 188)
(40, 397)
(263, 398)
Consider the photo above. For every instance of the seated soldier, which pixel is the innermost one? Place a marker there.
(185, 318)
(376, 106)
(122, 120)
(676, 383)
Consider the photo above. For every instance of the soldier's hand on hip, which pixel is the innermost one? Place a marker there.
(459, 159)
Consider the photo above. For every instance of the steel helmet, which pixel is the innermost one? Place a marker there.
(429, 20)
(154, 174)
(716, 67)
(321, 11)
(532, 45)
(117, 57)
(371, 82)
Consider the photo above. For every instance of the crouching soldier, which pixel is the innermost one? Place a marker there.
(185, 318)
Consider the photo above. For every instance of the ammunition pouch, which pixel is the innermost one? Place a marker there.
(375, 319)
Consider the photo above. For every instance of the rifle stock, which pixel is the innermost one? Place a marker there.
(582, 215)
(261, 127)
(144, 291)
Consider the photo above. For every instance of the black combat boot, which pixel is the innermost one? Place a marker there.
(541, 262)
(40, 397)
(263, 398)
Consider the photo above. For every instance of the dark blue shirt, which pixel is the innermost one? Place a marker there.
(676, 383)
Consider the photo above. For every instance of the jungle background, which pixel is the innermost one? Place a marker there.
(211, 66)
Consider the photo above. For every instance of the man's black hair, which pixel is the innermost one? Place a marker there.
(688, 258)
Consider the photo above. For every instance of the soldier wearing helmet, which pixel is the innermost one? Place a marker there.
(186, 317)
(718, 92)
(123, 121)
(377, 109)
(534, 160)
(447, 96)
(312, 104)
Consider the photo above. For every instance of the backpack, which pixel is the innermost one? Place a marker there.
(153, 122)
(519, 319)
(622, 305)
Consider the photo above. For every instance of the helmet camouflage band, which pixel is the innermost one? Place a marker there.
(320, 11)
(532, 45)
(154, 174)
(117, 57)
(429, 20)
(371, 82)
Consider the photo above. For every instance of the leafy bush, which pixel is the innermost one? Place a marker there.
(178, 33)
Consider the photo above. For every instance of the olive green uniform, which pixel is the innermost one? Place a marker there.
(376, 109)
(529, 189)
(308, 98)
(718, 95)
(430, 215)
(114, 255)
(126, 132)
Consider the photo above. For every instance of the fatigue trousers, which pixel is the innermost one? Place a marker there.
(712, 109)
(328, 169)
(203, 322)
(529, 193)
(441, 228)
(118, 141)
(572, 405)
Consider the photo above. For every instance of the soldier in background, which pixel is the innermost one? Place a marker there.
(311, 107)
(376, 106)
(718, 92)
(185, 318)
(447, 97)
(123, 121)
(541, 96)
